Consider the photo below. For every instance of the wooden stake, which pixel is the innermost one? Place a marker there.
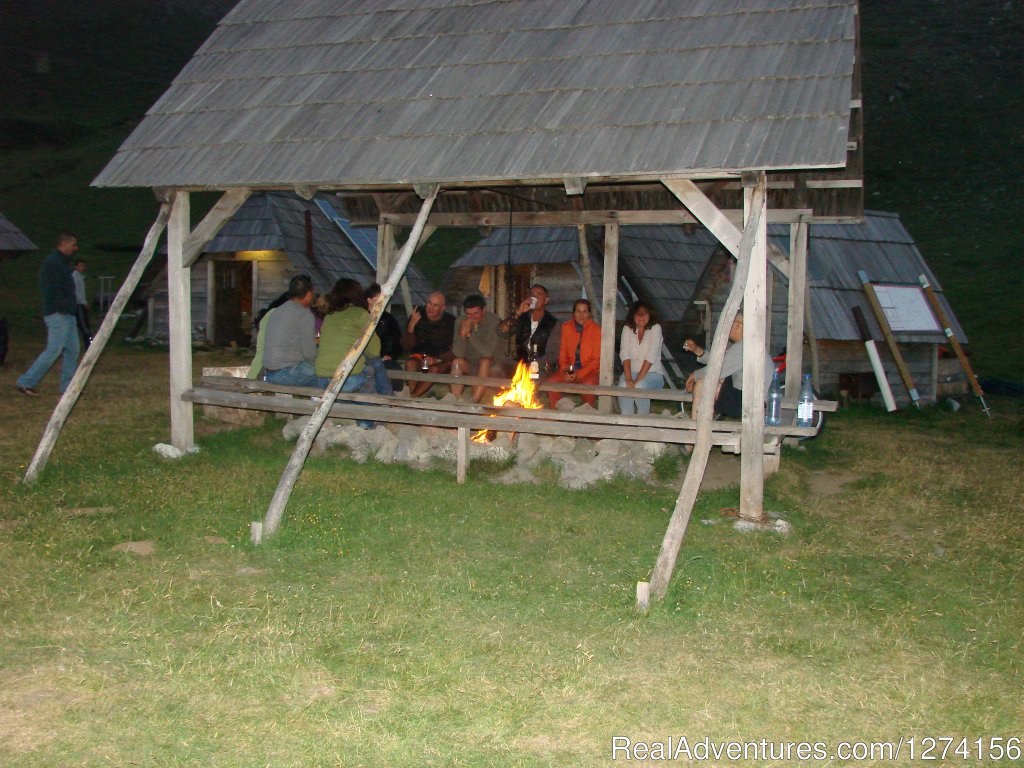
(461, 454)
(901, 366)
(70, 397)
(947, 329)
(702, 446)
(272, 519)
(876, 362)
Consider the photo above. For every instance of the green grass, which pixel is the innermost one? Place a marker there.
(401, 619)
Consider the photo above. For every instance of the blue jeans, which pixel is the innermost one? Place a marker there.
(642, 405)
(299, 375)
(356, 382)
(61, 336)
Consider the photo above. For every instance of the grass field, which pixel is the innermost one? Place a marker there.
(399, 619)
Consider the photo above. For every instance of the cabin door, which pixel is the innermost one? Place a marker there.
(232, 316)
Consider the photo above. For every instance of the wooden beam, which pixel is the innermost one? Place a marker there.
(795, 311)
(755, 310)
(571, 218)
(99, 342)
(205, 231)
(272, 519)
(179, 297)
(588, 275)
(702, 446)
(707, 213)
(608, 302)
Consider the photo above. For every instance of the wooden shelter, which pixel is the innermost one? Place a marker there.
(432, 113)
(274, 236)
(13, 241)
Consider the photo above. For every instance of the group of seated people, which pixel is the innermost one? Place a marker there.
(299, 346)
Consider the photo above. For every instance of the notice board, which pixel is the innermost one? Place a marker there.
(906, 308)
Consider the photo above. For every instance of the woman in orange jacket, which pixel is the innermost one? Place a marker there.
(579, 358)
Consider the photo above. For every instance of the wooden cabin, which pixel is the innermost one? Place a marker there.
(247, 265)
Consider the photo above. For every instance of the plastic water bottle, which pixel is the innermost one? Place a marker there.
(773, 412)
(805, 405)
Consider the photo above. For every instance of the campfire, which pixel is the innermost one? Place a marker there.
(521, 392)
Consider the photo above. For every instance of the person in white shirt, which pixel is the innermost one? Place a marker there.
(640, 353)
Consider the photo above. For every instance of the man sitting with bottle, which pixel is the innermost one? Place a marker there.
(533, 326)
(729, 397)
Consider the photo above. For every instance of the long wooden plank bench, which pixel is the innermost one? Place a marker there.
(231, 392)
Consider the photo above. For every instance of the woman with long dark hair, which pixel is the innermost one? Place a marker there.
(347, 316)
(640, 353)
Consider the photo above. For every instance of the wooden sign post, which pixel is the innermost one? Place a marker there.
(947, 329)
(883, 323)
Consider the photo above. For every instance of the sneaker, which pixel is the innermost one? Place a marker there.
(27, 391)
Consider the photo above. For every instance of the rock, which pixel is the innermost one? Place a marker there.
(565, 404)
(584, 451)
(561, 444)
(293, 428)
(527, 446)
(170, 452)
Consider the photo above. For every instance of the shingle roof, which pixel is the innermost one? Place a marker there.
(277, 221)
(12, 238)
(378, 92)
(664, 264)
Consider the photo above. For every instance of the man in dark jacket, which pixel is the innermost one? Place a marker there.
(533, 325)
(59, 308)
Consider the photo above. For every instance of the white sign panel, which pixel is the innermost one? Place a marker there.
(906, 309)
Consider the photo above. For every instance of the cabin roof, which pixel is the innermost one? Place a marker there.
(378, 93)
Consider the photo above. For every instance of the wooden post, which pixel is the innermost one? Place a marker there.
(755, 310)
(812, 341)
(211, 300)
(947, 329)
(272, 519)
(461, 454)
(795, 312)
(609, 295)
(70, 397)
(702, 447)
(588, 275)
(180, 322)
(883, 323)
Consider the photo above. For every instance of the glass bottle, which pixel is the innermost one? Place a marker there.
(773, 410)
(534, 364)
(805, 405)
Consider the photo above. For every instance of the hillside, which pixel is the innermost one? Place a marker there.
(942, 103)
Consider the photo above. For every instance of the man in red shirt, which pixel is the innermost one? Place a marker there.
(579, 358)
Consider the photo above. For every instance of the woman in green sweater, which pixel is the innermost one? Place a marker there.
(347, 316)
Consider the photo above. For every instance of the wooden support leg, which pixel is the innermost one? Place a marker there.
(461, 455)
(698, 461)
(92, 354)
(275, 511)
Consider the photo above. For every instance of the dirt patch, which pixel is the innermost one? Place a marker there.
(9, 525)
(215, 540)
(136, 547)
(829, 483)
(91, 511)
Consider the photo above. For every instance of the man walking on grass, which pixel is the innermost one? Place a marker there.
(59, 311)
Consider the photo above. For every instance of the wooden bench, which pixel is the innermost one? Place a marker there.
(249, 394)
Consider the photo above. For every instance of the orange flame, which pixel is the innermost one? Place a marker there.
(522, 392)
